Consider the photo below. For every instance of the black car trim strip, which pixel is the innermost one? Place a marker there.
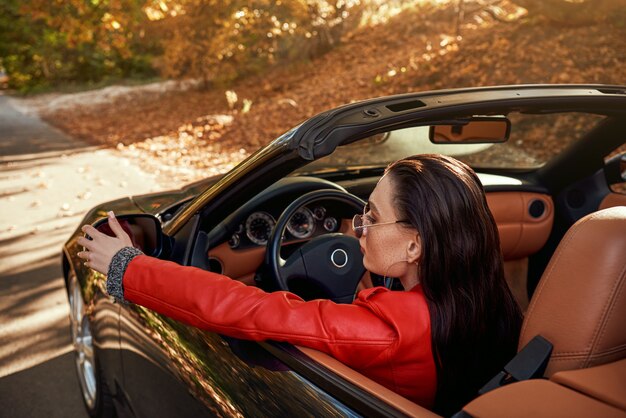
(351, 116)
(362, 401)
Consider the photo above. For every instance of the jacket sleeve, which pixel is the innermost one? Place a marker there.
(355, 334)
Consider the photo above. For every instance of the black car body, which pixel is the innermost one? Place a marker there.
(145, 364)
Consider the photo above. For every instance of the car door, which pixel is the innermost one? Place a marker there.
(173, 370)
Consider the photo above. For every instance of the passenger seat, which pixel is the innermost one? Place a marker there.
(580, 307)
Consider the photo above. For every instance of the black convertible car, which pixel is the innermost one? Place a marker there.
(547, 156)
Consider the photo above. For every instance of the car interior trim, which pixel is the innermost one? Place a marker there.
(342, 389)
(388, 396)
(607, 382)
(238, 263)
(612, 200)
(521, 233)
(540, 399)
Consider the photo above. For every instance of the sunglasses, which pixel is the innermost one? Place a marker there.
(360, 224)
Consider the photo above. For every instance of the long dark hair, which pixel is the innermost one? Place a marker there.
(475, 321)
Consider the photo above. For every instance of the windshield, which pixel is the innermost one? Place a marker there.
(534, 140)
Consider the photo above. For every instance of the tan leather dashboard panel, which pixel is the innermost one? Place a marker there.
(238, 264)
(521, 234)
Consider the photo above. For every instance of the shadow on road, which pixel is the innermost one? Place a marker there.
(42, 391)
(34, 315)
(21, 289)
(48, 181)
(37, 375)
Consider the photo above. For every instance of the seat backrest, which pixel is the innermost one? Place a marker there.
(580, 302)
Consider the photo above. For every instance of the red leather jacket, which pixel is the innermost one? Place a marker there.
(384, 335)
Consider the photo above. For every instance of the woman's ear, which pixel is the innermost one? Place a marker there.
(414, 249)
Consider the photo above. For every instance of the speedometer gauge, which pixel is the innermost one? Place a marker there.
(301, 224)
(259, 226)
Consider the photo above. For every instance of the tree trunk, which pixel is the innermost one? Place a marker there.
(460, 16)
(570, 13)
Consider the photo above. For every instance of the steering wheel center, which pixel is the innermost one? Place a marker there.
(339, 258)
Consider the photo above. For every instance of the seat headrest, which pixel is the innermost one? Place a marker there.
(580, 302)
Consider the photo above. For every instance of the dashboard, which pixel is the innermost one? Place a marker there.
(524, 218)
(237, 245)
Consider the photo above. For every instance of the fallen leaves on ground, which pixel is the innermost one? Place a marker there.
(189, 135)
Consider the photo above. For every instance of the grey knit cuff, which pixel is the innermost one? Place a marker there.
(117, 268)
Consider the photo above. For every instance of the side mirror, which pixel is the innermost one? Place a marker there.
(474, 130)
(144, 231)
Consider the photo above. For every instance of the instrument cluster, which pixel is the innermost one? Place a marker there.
(304, 224)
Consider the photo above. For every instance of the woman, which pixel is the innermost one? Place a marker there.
(427, 223)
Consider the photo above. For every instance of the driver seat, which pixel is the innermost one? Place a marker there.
(580, 307)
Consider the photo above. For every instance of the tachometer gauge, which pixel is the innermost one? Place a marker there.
(330, 224)
(259, 227)
(319, 213)
(301, 224)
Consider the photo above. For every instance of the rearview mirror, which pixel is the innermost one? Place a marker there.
(475, 130)
(144, 231)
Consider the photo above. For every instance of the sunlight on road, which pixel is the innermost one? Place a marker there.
(35, 321)
(42, 195)
(42, 199)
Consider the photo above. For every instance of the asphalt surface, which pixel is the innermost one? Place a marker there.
(47, 182)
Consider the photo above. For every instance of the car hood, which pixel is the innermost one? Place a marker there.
(152, 203)
(155, 203)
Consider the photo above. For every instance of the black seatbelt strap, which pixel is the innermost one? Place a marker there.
(529, 363)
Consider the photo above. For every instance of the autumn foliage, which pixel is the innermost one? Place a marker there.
(55, 42)
(51, 42)
(219, 41)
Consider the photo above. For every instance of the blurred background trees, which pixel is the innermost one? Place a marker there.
(221, 40)
(47, 43)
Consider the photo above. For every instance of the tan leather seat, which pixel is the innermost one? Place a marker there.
(580, 307)
(580, 302)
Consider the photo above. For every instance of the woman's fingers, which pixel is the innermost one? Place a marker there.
(85, 242)
(117, 228)
(98, 252)
(97, 261)
(88, 257)
(92, 232)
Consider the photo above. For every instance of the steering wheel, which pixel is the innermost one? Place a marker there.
(332, 262)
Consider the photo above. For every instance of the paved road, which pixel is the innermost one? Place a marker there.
(22, 136)
(47, 181)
